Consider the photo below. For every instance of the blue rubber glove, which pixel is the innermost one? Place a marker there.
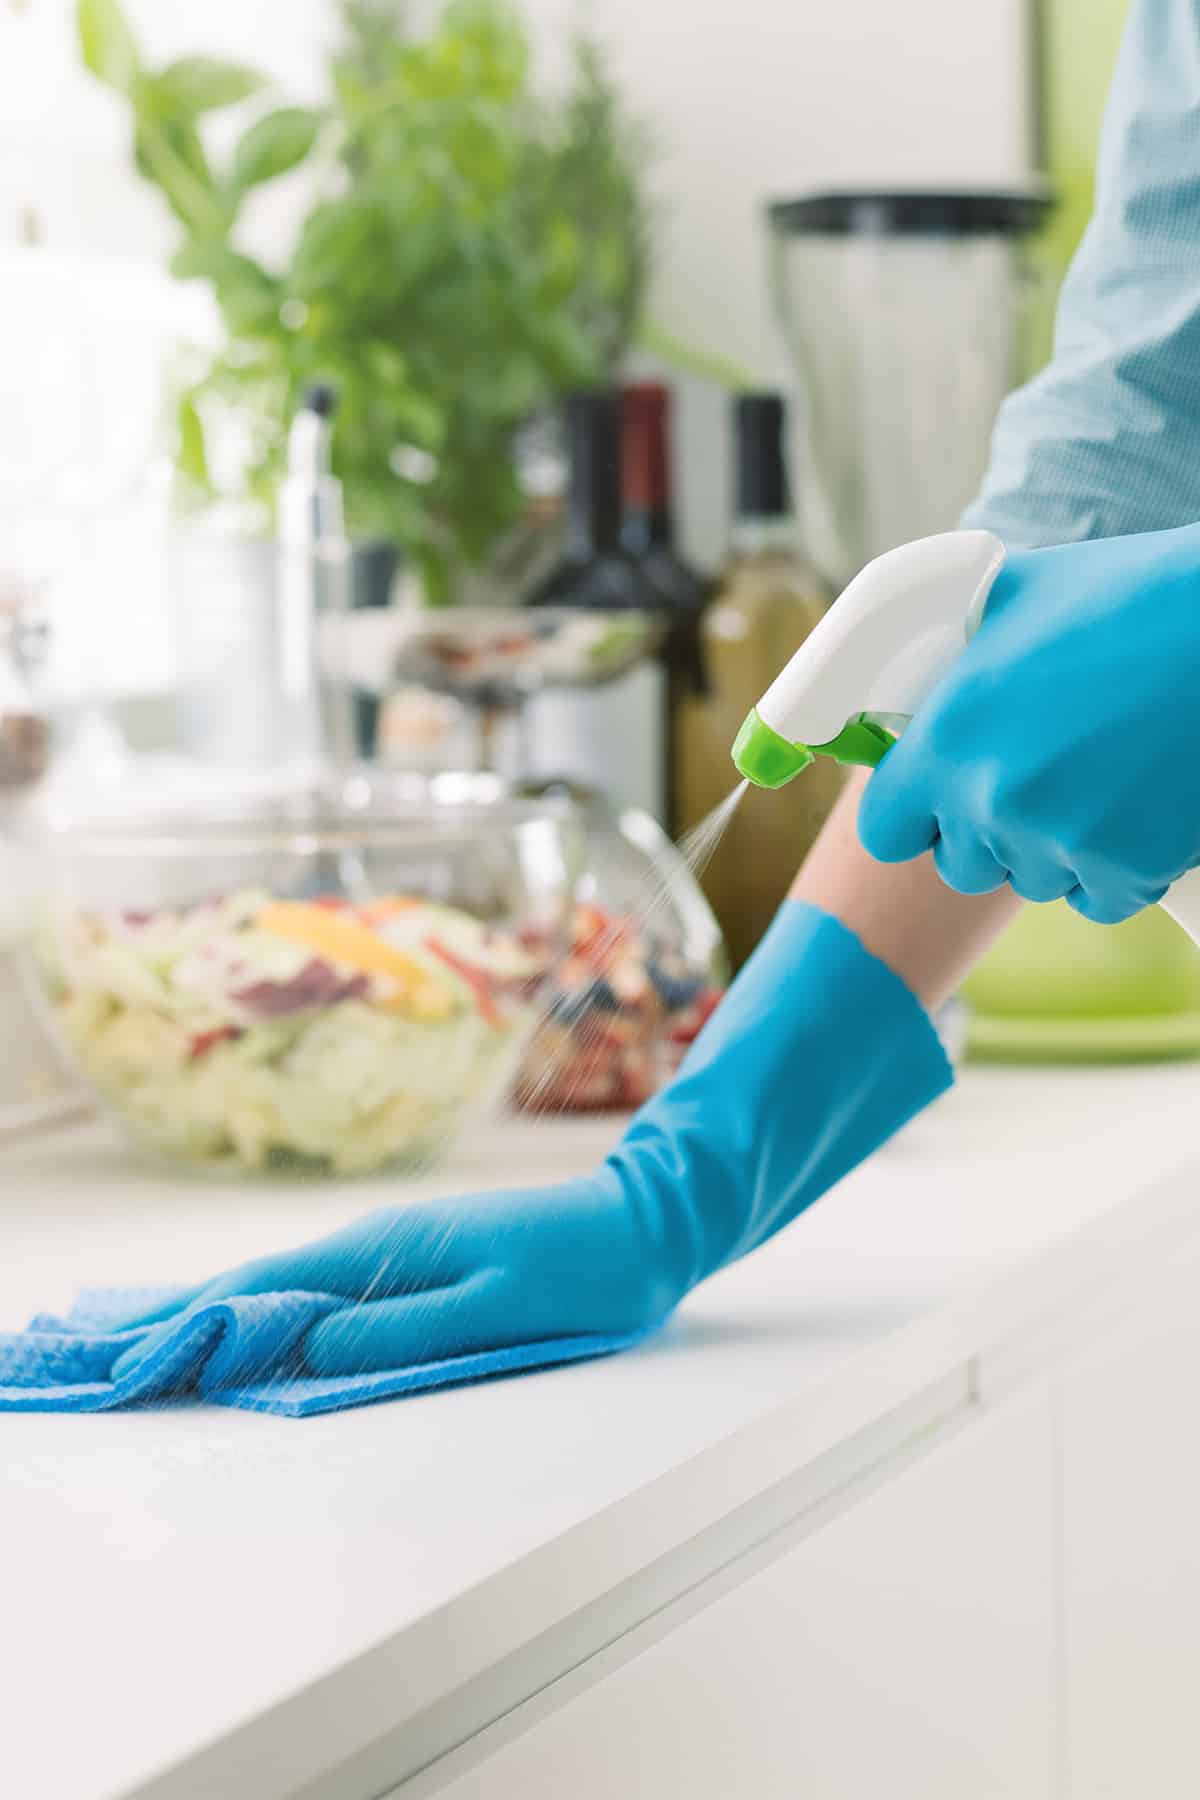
(816, 1056)
(1061, 751)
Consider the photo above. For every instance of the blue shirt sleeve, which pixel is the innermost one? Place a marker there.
(1106, 440)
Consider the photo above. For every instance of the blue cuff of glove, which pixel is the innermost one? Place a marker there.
(818, 1054)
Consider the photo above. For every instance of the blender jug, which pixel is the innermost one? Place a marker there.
(904, 314)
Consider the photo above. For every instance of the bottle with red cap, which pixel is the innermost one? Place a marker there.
(619, 555)
(647, 509)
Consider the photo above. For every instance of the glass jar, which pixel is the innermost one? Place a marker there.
(645, 968)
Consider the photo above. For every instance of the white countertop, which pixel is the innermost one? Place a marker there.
(199, 1601)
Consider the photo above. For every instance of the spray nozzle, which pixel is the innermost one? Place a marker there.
(768, 759)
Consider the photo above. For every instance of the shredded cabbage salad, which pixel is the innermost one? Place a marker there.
(250, 1032)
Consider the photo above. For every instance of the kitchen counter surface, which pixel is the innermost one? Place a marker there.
(199, 1601)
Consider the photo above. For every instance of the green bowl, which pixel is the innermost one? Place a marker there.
(1060, 988)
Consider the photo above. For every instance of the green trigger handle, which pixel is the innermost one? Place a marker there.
(769, 760)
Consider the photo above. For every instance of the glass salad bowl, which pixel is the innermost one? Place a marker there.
(305, 987)
(644, 968)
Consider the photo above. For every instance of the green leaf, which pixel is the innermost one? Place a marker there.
(169, 160)
(107, 45)
(706, 365)
(178, 134)
(418, 419)
(249, 298)
(437, 579)
(192, 261)
(273, 145)
(200, 84)
(191, 455)
(335, 242)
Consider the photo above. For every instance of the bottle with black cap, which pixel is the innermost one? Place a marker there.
(594, 570)
(768, 601)
(615, 737)
(764, 530)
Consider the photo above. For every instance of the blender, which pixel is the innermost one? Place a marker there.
(905, 315)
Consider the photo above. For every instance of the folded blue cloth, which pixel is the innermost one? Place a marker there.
(240, 1352)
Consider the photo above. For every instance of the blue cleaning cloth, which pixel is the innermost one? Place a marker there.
(240, 1352)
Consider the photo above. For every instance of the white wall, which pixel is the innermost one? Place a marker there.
(750, 99)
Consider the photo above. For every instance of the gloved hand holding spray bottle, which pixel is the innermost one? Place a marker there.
(1054, 748)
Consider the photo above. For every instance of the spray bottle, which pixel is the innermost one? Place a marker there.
(856, 682)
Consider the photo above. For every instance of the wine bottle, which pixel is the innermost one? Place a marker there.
(767, 602)
(648, 535)
(595, 570)
(647, 512)
(611, 738)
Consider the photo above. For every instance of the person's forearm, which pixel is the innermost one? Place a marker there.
(1106, 440)
(903, 913)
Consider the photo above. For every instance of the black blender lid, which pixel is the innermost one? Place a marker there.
(916, 213)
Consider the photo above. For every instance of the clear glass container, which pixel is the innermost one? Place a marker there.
(905, 315)
(644, 969)
(305, 986)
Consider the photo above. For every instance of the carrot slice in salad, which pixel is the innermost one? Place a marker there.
(378, 912)
(340, 939)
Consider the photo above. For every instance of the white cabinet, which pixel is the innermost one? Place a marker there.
(904, 1648)
(1131, 1553)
